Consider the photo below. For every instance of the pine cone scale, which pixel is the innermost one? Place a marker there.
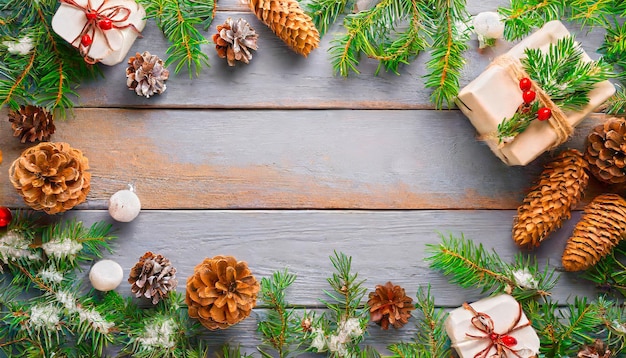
(32, 123)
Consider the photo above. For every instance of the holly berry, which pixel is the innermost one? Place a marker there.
(525, 84)
(5, 216)
(528, 96)
(508, 340)
(544, 113)
(105, 24)
(86, 40)
(91, 16)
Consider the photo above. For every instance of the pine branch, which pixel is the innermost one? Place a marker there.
(325, 12)
(526, 15)
(616, 105)
(590, 13)
(348, 293)
(609, 274)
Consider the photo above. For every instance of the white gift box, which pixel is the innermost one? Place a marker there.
(495, 95)
(109, 46)
(502, 310)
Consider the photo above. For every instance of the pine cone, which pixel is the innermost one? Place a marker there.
(31, 123)
(550, 201)
(598, 350)
(52, 177)
(289, 23)
(234, 39)
(389, 304)
(606, 151)
(221, 292)
(596, 234)
(152, 277)
(146, 74)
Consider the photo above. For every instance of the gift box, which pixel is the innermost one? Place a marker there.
(495, 95)
(496, 323)
(102, 30)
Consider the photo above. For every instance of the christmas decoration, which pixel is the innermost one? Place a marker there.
(489, 27)
(102, 30)
(596, 234)
(31, 123)
(106, 275)
(389, 304)
(153, 277)
(5, 216)
(558, 190)
(146, 74)
(234, 40)
(287, 20)
(221, 292)
(124, 205)
(494, 325)
(606, 152)
(52, 177)
(569, 95)
(596, 350)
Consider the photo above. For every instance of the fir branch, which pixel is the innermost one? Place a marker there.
(614, 46)
(609, 274)
(179, 19)
(229, 351)
(525, 15)
(616, 105)
(591, 13)
(325, 12)
(348, 293)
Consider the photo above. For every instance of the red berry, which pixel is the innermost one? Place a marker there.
(529, 96)
(5, 216)
(508, 340)
(86, 40)
(544, 113)
(105, 24)
(91, 15)
(525, 84)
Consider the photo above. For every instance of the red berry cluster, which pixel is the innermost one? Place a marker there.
(5, 216)
(529, 95)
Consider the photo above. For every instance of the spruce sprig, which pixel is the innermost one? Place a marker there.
(614, 46)
(325, 12)
(617, 103)
(523, 16)
(591, 13)
(179, 20)
(609, 274)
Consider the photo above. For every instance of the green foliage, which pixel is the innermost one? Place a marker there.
(523, 16)
(614, 46)
(609, 274)
(325, 12)
(179, 20)
(229, 351)
(617, 103)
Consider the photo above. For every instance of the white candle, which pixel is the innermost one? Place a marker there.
(124, 206)
(106, 275)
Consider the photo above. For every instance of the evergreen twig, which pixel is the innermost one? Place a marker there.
(523, 16)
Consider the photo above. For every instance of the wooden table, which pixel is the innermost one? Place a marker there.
(280, 163)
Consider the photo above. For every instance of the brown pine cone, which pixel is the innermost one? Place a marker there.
(389, 304)
(146, 74)
(601, 228)
(550, 201)
(153, 277)
(598, 350)
(289, 22)
(52, 177)
(32, 123)
(221, 292)
(234, 40)
(606, 151)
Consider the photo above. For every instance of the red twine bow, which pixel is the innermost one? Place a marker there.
(503, 342)
(101, 20)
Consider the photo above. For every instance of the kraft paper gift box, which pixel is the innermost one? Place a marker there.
(501, 311)
(71, 18)
(495, 95)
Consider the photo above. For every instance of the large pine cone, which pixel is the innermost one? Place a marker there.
(389, 304)
(31, 123)
(601, 228)
(234, 40)
(52, 177)
(289, 22)
(606, 151)
(221, 292)
(153, 277)
(550, 201)
(146, 74)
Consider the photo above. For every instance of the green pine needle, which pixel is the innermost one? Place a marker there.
(523, 16)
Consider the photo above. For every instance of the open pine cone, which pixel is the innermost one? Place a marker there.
(152, 277)
(389, 304)
(606, 151)
(146, 74)
(234, 40)
(52, 177)
(221, 292)
(31, 123)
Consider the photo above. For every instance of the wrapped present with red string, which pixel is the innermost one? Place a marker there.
(492, 327)
(102, 30)
(530, 99)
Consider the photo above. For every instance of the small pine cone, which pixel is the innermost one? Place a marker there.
(146, 74)
(606, 151)
(31, 123)
(234, 40)
(153, 277)
(389, 304)
(550, 201)
(598, 350)
(596, 234)
(289, 22)
(221, 292)
(52, 177)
